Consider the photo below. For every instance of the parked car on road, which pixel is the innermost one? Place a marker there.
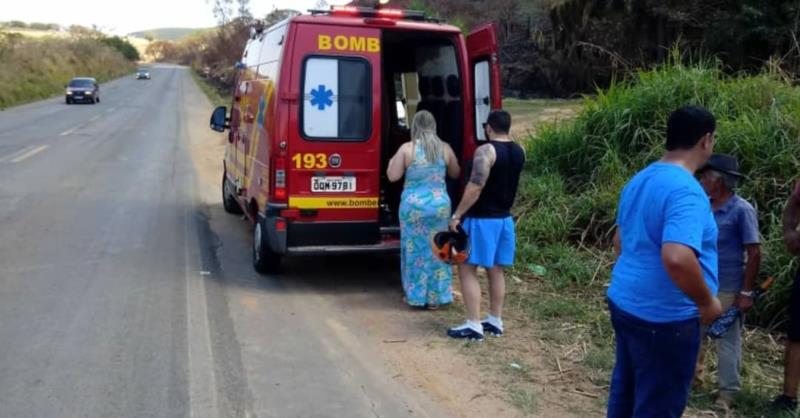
(143, 74)
(82, 89)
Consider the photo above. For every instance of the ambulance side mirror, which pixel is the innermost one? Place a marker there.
(219, 119)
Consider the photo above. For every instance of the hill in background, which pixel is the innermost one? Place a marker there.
(166, 34)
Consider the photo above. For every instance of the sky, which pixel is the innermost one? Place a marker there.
(124, 16)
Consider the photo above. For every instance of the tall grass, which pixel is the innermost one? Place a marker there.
(32, 69)
(577, 169)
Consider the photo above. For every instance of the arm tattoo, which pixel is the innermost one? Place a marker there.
(481, 166)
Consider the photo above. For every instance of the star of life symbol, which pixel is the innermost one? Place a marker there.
(321, 97)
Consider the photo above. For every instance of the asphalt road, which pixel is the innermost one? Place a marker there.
(126, 292)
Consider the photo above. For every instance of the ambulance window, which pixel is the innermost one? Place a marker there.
(336, 102)
(482, 97)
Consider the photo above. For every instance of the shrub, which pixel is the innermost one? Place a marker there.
(32, 69)
(582, 165)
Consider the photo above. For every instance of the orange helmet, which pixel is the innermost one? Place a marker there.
(451, 247)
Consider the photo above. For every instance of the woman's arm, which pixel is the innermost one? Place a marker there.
(453, 169)
(397, 165)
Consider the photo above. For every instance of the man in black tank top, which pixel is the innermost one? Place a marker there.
(486, 211)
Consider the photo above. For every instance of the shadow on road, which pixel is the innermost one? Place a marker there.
(225, 245)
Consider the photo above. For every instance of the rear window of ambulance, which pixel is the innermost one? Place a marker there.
(336, 99)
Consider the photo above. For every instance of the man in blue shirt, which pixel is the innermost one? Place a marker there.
(664, 282)
(737, 223)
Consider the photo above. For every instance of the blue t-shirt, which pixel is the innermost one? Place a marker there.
(738, 226)
(662, 203)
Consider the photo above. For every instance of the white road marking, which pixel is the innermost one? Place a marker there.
(202, 380)
(69, 131)
(30, 153)
(94, 118)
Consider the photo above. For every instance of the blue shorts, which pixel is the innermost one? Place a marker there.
(491, 240)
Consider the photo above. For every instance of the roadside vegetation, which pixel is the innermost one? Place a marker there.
(557, 48)
(567, 204)
(36, 68)
(215, 96)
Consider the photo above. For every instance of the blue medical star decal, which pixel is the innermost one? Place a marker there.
(321, 97)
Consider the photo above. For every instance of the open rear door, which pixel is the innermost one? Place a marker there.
(482, 49)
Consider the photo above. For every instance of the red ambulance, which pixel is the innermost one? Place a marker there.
(322, 102)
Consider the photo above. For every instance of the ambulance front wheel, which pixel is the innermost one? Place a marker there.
(265, 260)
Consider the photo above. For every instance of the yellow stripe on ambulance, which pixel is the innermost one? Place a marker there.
(333, 202)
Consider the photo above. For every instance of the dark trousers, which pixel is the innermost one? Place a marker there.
(655, 364)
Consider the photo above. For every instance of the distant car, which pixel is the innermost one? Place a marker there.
(143, 73)
(82, 89)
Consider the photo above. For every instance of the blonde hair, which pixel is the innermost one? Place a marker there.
(423, 133)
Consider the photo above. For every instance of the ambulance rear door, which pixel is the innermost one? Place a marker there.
(333, 171)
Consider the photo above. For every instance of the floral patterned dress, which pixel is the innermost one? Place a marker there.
(424, 211)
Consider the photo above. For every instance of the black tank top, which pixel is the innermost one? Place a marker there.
(500, 190)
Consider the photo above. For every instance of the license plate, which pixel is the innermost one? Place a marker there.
(333, 184)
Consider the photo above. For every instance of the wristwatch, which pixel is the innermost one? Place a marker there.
(746, 293)
(455, 217)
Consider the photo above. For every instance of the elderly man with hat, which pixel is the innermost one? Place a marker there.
(739, 254)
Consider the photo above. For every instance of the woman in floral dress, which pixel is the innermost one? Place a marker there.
(424, 210)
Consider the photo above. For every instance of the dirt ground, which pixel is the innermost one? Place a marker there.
(527, 116)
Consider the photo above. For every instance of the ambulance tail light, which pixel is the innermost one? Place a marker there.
(279, 189)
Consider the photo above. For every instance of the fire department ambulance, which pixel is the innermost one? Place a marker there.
(323, 101)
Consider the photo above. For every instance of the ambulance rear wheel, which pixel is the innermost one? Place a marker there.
(229, 202)
(264, 260)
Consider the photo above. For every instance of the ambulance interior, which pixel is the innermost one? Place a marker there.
(420, 72)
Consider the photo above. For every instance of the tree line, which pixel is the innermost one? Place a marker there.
(563, 47)
(559, 48)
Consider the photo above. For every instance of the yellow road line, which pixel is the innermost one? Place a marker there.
(16, 153)
(30, 154)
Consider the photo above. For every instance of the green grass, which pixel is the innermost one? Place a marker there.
(600, 358)
(576, 169)
(567, 204)
(524, 400)
(213, 94)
